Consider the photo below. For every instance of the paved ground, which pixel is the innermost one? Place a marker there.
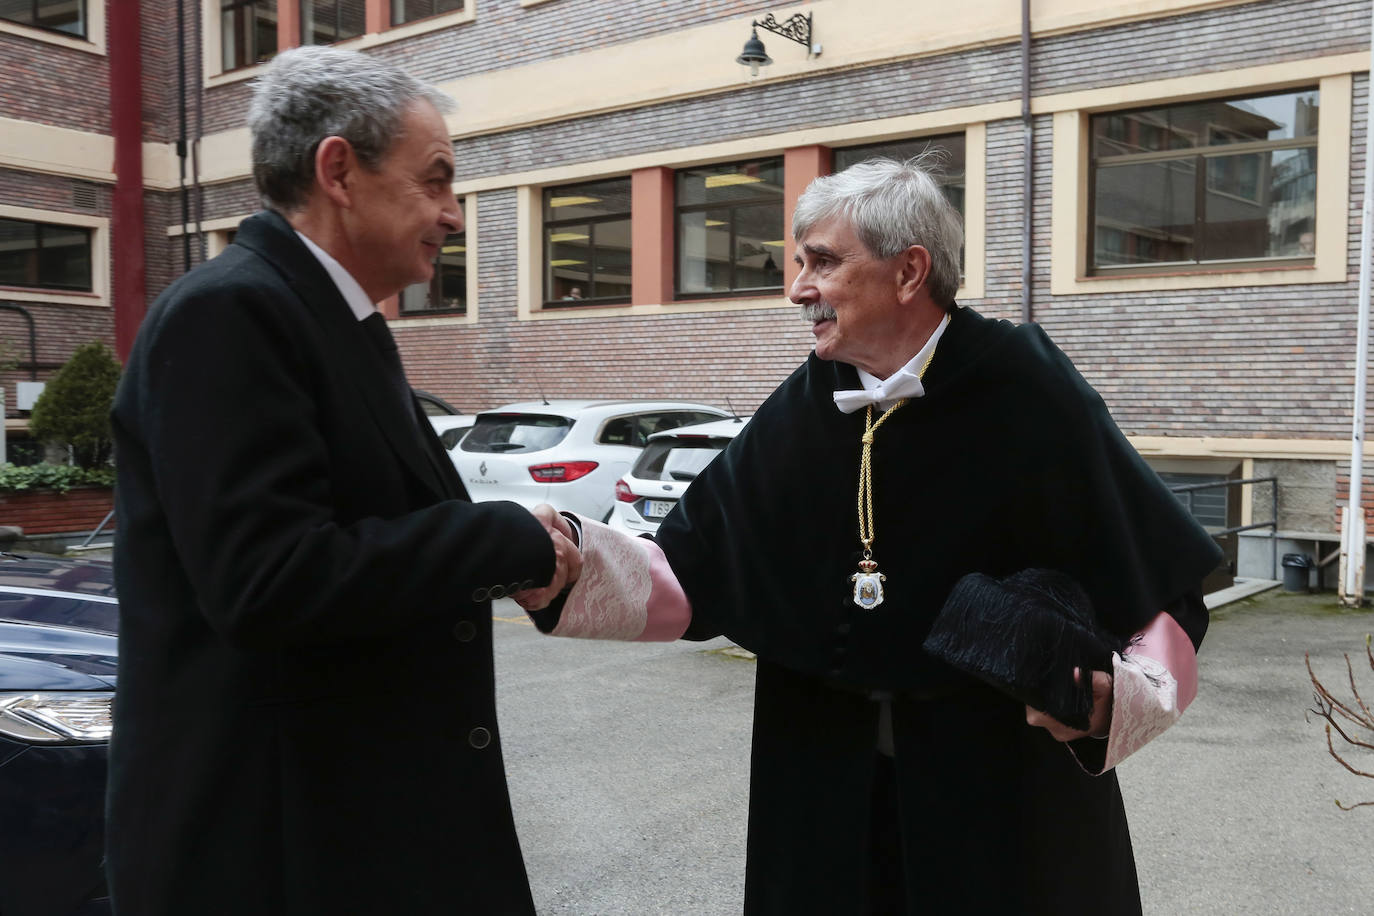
(629, 772)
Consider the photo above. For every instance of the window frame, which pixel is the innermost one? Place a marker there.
(471, 257)
(391, 13)
(1071, 137)
(85, 6)
(547, 226)
(435, 287)
(224, 6)
(92, 42)
(1199, 156)
(214, 72)
(679, 209)
(98, 228)
(962, 134)
(338, 14)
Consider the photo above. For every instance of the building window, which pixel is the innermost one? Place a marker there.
(324, 22)
(1218, 183)
(403, 11)
(951, 160)
(248, 32)
(1208, 506)
(446, 293)
(67, 16)
(587, 243)
(729, 227)
(951, 173)
(45, 256)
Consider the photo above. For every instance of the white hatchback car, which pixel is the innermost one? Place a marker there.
(452, 427)
(668, 464)
(566, 453)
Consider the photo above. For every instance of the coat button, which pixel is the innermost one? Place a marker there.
(479, 737)
(464, 630)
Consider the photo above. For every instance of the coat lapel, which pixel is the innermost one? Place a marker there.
(268, 235)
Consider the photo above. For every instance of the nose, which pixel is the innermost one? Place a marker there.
(451, 214)
(803, 290)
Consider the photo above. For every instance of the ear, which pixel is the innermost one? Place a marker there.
(335, 167)
(913, 272)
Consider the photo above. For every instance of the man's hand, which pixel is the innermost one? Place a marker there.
(567, 560)
(1099, 723)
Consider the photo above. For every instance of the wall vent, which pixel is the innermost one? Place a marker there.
(85, 197)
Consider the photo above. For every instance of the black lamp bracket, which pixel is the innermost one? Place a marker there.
(797, 28)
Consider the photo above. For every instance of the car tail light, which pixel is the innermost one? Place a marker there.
(561, 471)
(622, 492)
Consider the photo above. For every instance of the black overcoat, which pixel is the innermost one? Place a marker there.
(305, 718)
(1009, 461)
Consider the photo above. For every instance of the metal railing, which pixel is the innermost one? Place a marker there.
(1188, 489)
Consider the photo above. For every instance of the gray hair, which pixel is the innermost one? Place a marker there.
(311, 93)
(891, 205)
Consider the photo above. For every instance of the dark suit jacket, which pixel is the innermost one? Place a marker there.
(305, 720)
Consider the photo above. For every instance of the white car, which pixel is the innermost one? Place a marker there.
(451, 428)
(568, 453)
(668, 464)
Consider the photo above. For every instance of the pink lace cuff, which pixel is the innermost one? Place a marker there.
(627, 591)
(1151, 686)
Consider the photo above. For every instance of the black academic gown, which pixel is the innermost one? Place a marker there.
(1010, 461)
(306, 716)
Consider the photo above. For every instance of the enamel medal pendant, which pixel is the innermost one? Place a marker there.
(868, 585)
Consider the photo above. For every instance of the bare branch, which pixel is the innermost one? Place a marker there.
(1339, 759)
(1354, 806)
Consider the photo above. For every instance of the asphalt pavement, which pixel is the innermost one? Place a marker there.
(629, 763)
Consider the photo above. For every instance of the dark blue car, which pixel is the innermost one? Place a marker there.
(58, 620)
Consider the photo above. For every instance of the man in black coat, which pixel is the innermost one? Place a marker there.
(305, 720)
(920, 442)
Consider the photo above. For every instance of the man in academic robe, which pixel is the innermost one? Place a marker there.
(920, 442)
(305, 721)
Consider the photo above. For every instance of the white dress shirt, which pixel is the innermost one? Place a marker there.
(904, 383)
(349, 288)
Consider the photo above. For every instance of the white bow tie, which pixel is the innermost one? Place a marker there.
(901, 385)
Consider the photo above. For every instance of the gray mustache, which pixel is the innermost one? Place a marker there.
(817, 311)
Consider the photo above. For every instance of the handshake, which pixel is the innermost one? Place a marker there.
(567, 560)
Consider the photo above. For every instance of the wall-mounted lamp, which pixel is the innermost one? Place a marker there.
(797, 28)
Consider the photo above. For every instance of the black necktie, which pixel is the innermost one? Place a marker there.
(374, 326)
(380, 335)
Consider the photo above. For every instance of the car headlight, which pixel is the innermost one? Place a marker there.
(65, 717)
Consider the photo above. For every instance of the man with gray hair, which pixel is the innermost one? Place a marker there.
(306, 718)
(883, 779)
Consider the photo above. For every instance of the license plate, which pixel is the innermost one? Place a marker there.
(657, 508)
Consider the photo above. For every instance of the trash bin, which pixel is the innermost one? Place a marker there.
(1295, 571)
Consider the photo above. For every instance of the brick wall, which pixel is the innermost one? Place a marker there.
(505, 34)
(50, 84)
(1239, 362)
(738, 357)
(47, 512)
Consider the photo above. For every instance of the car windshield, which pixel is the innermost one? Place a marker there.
(677, 458)
(515, 432)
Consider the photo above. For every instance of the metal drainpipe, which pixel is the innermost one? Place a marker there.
(33, 337)
(198, 44)
(1028, 175)
(128, 264)
(182, 151)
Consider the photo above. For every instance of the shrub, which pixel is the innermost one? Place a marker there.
(59, 477)
(74, 408)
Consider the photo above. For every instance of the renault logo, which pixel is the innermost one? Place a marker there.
(482, 469)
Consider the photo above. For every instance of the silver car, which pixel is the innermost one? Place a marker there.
(670, 462)
(568, 453)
